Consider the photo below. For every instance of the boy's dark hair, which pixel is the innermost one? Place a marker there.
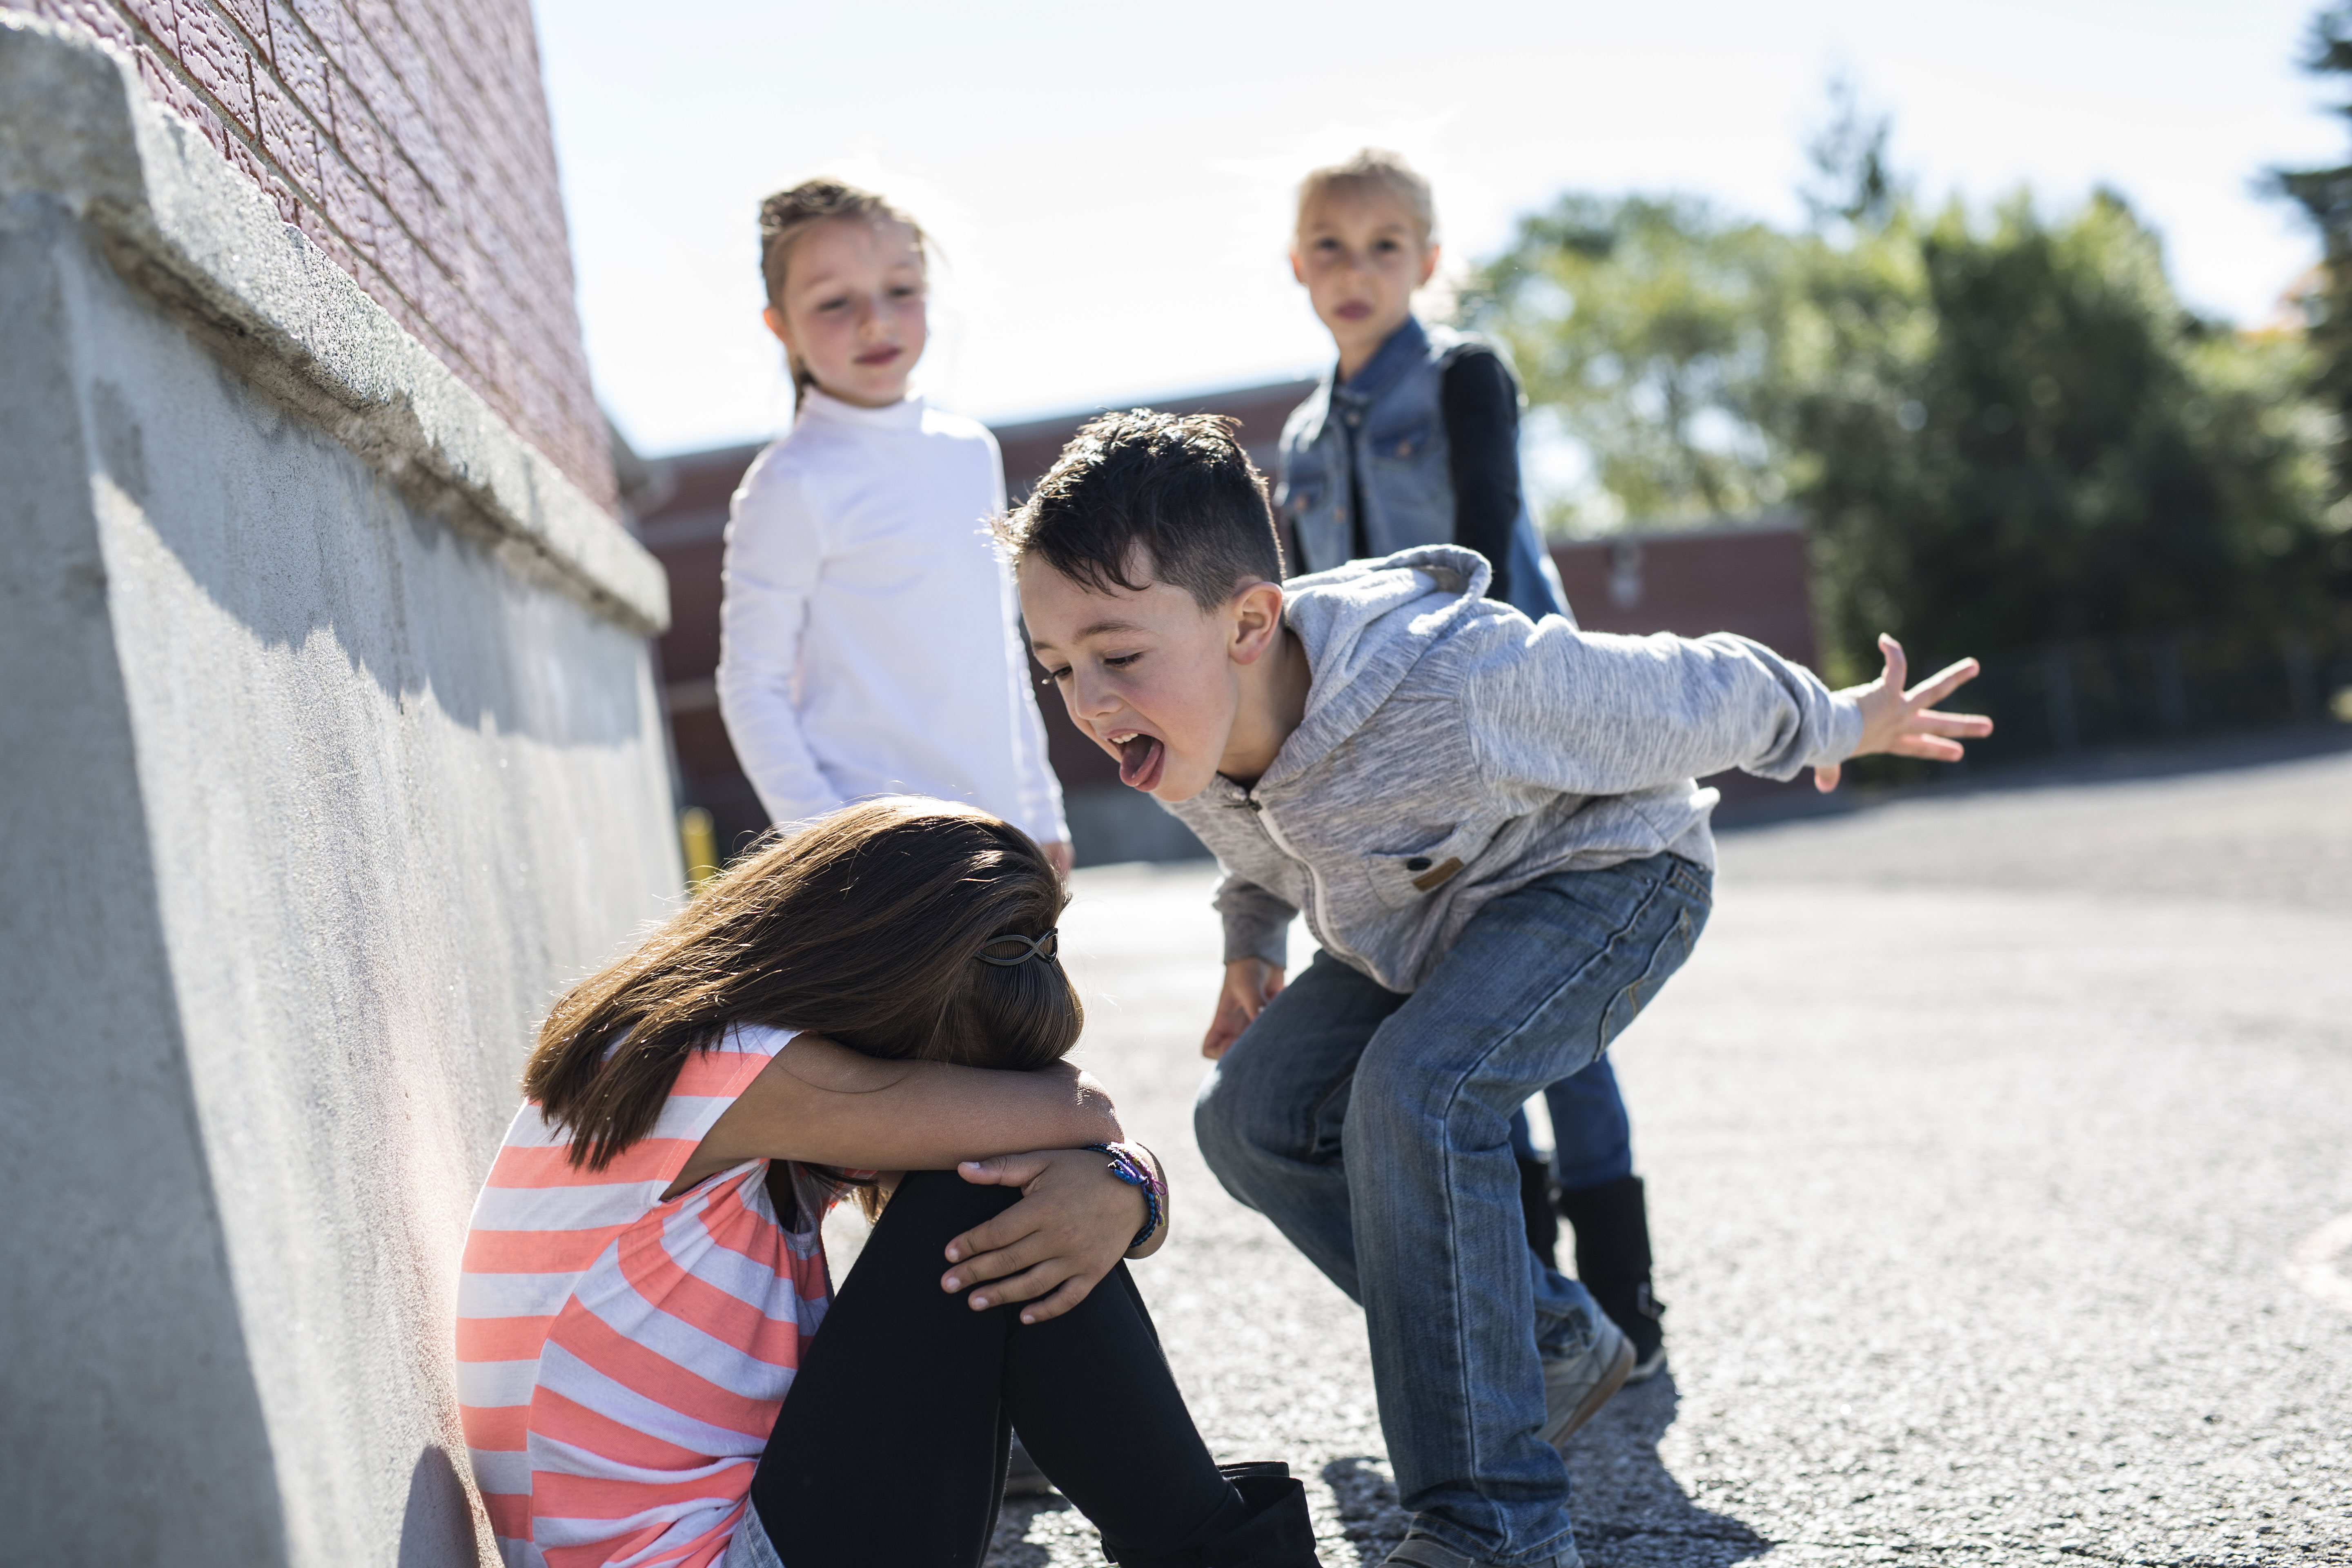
(1179, 487)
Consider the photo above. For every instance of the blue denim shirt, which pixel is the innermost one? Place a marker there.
(1388, 423)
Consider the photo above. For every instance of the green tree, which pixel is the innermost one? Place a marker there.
(1645, 327)
(2009, 432)
(2004, 430)
(2325, 197)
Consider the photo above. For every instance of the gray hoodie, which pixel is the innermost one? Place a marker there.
(1453, 751)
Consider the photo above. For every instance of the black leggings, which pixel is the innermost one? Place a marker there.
(891, 1444)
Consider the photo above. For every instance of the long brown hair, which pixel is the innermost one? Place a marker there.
(865, 927)
(787, 216)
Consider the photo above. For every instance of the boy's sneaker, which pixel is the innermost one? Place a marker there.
(1576, 1386)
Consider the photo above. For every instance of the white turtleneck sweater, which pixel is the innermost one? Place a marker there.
(870, 639)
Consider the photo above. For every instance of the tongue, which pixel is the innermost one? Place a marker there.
(1136, 760)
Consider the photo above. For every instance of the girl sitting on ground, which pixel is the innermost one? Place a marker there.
(650, 1365)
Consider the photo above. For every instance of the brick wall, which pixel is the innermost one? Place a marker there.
(409, 140)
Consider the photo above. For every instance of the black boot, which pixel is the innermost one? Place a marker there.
(1535, 1206)
(1612, 1258)
(1277, 1533)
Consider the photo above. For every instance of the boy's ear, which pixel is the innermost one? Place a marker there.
(775, 319)
(1256, 613)
(1428, 264)
(1297, 272)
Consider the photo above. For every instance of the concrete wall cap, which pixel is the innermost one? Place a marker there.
(177, 220)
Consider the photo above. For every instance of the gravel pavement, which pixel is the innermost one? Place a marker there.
(1993, 1143)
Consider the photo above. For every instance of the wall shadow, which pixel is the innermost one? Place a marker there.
(297, 539)
(436, 1527)
(1629, 1511)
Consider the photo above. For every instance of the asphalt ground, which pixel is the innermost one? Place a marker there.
(1998, 1144)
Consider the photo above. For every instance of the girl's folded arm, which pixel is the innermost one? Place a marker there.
(824, 1104)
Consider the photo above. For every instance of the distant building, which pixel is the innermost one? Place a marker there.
(1745, 576)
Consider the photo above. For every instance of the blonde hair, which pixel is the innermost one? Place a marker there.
(1373, 169)
(786, 217)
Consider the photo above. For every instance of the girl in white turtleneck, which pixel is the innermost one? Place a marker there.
(868, 638)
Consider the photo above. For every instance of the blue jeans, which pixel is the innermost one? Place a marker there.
(1374, 1130)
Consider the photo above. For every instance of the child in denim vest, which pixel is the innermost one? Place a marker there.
(1413, 440)
(1494, 831)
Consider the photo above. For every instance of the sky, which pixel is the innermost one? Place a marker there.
(1107, 185)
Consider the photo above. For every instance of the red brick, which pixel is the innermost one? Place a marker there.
(253, 16)
(347, 201)
(289, 138)
(395, 251)
(101, 20)
(166, 88)
(264, 176)
(403, 193)
(355, 130)
(326, 22)
(216, 60)
(314, 224)
(426, 150)
(363, 65)
(155, 18)
(298, 61)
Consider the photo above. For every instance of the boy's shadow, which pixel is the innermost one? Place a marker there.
(1628, 1511)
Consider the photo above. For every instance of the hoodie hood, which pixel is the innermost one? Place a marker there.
(1364, 625)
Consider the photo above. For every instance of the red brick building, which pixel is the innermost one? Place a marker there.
(1746, 577)
(409, 140)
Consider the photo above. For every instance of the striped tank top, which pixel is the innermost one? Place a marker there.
(621, 1359)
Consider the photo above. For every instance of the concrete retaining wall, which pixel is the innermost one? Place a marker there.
(329, 750)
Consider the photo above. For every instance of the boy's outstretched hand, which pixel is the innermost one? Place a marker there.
(1906, 723)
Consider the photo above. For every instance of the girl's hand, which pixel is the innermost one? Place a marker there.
(1250, 984)
(1905, 722)
(1071, 1227)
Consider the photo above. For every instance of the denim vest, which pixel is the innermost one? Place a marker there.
(1387, 421)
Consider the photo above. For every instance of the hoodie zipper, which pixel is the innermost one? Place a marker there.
(1322, 912)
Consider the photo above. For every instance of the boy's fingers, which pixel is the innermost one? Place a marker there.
(1933, 747)
(1825, 779)
(1936, 724)
(1943, 683)
(1892, 651)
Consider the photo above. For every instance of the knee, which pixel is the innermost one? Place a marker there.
(1238, 1125)
(1219, 1125)
(942, 1203)
(1403, 1101)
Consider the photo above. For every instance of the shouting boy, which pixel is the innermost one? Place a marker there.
(1493, 830)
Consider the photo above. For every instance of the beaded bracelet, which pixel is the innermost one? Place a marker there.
(1130, 1163)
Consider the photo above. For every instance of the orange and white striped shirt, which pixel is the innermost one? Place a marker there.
(621, 1359)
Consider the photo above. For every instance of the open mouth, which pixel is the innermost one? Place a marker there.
(1353, 311)
(1140, 758)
